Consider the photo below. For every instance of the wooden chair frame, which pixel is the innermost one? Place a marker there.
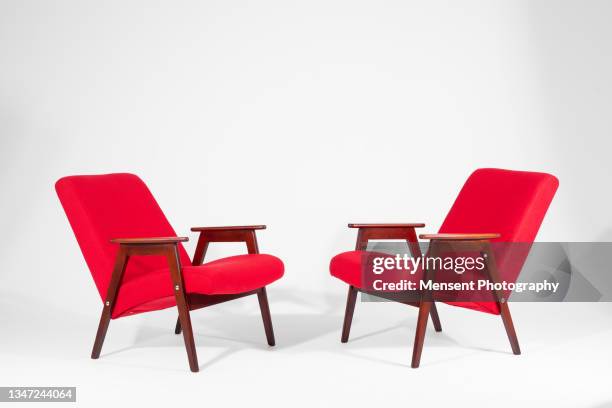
(185, 302)
(426, 304)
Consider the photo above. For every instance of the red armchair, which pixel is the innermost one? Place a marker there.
(493, 206)
(139, 264)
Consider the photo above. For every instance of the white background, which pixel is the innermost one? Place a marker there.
(304, 116)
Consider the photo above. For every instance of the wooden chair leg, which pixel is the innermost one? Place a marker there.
(121, 262)
(348, 314)
(502, 303)
(182, 305)
(262, 296)
(101, 334)
(419, 338)
(177, 328)
(435, 318)
(185, 321)
(507, 319)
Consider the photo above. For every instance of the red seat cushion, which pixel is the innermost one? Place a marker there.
(354, 268)
(349, 268)
(231, 275)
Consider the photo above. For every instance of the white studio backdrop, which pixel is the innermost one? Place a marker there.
(301, 115)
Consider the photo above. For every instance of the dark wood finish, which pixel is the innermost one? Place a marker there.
(360, 245)
(348, 313)
(200, 251)
(484, 246)
(149, 241)
(177, 328)
(424, 312)
(502, 303)
(369, 232)
(509, 326)
(406, 225)
(143, 247)
(251, 243)
(426, 305)
(415, 251)
(262, 297)
(219, 235)
(372, 233)
(182, 306)
(460, 237)
(362, 240)
(225, 234)
(504, 310)
(244, 234)
(167, 246)
(229, 228)
(121, 262)
(419, 335)
(435, 319)
(199, 301)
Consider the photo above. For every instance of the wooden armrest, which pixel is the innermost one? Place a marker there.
(230, 228)
(149, 241)
(407, 225)
(460, 237)
(237, 233)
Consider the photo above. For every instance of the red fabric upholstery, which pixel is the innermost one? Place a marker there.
(102, 207)
(349, 267)
(231, 275)
(512, 203)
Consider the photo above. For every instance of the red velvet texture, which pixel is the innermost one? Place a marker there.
(102, 207)
(511, 203)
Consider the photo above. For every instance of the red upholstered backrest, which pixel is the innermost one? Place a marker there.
(511, 203)
(103, 207)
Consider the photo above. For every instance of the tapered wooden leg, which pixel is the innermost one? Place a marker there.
(262, 296)
(348, 314)
(504, 310)
(435, 318)
(177, 328)
(182, 305)
(419, 337)
(507, 319)
(185, 320)
(121, 262)
(101, 334)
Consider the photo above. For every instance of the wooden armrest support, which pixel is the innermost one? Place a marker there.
(378, 231)
(149, 241)
(406, 225)
(230, 228)
(241, 233)
(460, 237)
(128, 247)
